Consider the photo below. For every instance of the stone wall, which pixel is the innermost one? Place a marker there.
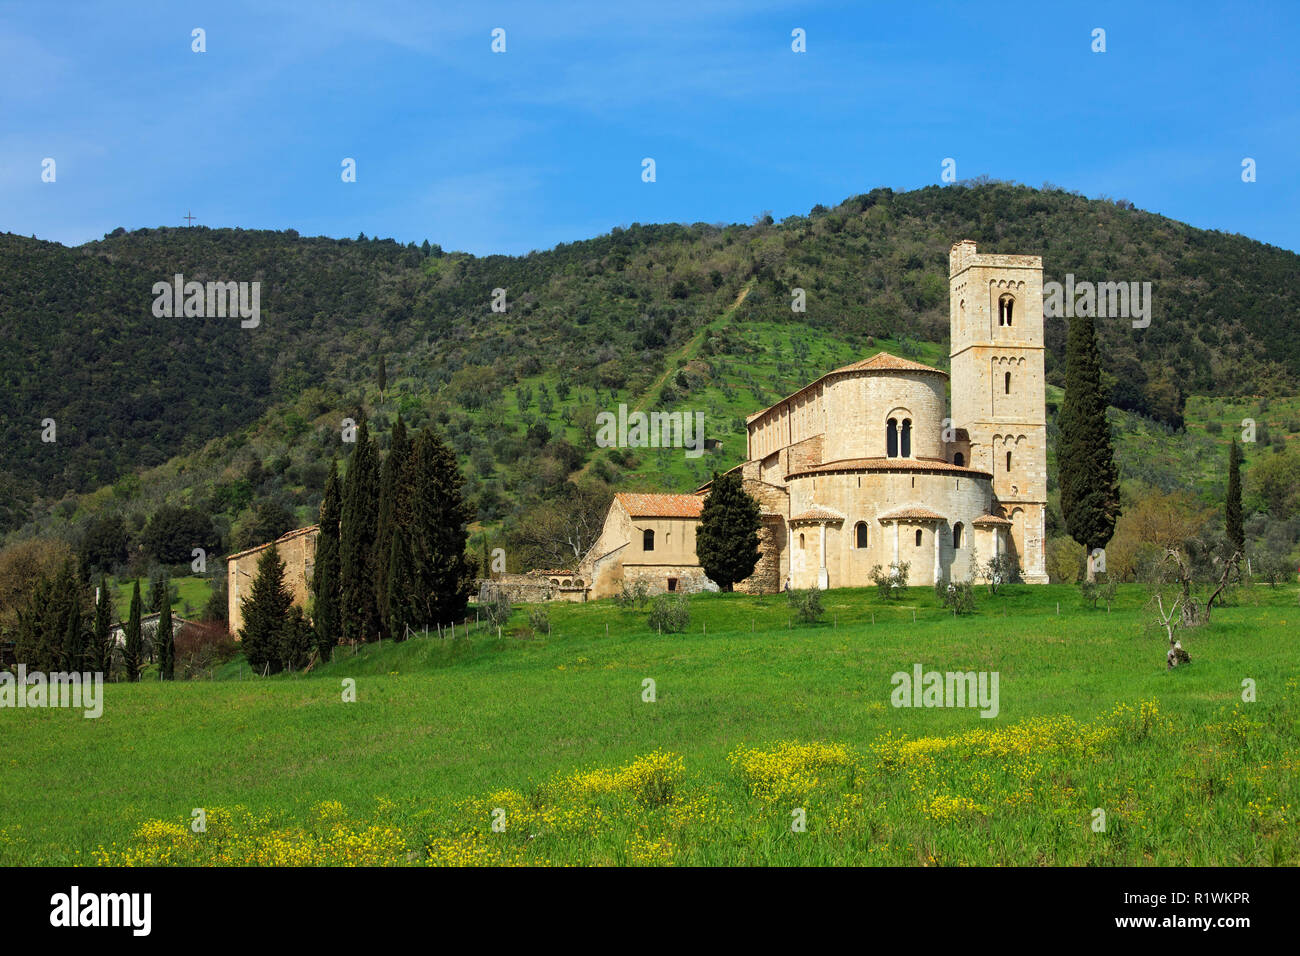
(297, 550)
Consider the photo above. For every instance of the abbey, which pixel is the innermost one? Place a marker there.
(866, 467)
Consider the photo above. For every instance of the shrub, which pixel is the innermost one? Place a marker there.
(807, 605)
(891, 582)
(956, 596)
(1088, 593)
(670, 613)
(498, 609)
(201, 647)
(1001, 570)
(638, 594)
(539, 619)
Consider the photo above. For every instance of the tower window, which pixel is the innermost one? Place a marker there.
(956, 536)
(958, 459)
(1006, 383)
(918, 537)
(907, 438)
(1006, 303)
(860, 533)
(891, 438)
(1008, 461)
(800, 542)
(648, 539)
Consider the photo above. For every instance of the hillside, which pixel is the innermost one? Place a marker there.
(202, 412)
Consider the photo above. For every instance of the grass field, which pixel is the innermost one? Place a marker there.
(550, 737)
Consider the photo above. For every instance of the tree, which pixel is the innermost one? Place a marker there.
(1236, 533)
(399, 600)
(165, 640)
(161, 592)
(102, 648)
(558, 532)
(1086, 471)
(383, 376)
(727, 539)
(441, 572)
(394, 511)
(325, 576)
(217, 608)
(357, 520)
(173, 532)
(266, 613)
(263, 522)
(297, 638)
(133, 652)
(103, 544)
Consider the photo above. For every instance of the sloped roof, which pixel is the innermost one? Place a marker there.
(880, 362)
(991, 519)
(818, 513)
(911, 514)
(889, 464)
(284, 537)
(661, 506)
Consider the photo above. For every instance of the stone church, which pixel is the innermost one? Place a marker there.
(865, 466)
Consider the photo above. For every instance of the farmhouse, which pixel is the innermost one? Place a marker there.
(868, 466)
(297, 550)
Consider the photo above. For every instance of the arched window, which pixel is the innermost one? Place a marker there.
(648, 539)
(956, 536)
(958, 459)
(891, 438)
(860, 535)
(907, 438)
(1008, 461)
(1006, 383)
(801, 542)
(1006, 303)
(918, 537)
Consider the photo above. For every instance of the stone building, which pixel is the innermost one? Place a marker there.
(297, 550)
(534, 587)
(866, 466)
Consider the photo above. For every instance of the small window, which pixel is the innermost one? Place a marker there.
(907, 438)
(801, 542)
(959, 459)
(1005, 306)
(956, 536)
(672, 584)
(891, 438)
(648, 539)
(1008, 461)
(1006, 384)
(918, 537)
(860, 534)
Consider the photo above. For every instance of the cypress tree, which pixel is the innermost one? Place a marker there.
(440, 570)
(1235, 531)
(394, 510)
(325, 576)
(133, 653)
(166, 642)
(401, 611)
(360, 605)
(383, 376)
(102, 651)
(1086, 471)
(727, 539)
(266, 614)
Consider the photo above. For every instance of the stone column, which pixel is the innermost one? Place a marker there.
(936, 555)
(822, 581)
(896, 524)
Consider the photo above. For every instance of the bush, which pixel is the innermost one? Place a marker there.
(637, 595)
(891, 582)
(201, 647)
(807, 605)
(1088, 593)
(956, 596)
(670, 613)
(498, 609)
(1001, 570)
(539, 619)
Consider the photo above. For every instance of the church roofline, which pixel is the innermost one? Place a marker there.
(889, 464)
(288, 535)
(880, 363)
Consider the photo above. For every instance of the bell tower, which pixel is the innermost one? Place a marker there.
(998, 395)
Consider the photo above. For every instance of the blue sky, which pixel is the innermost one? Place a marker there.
(504, 153)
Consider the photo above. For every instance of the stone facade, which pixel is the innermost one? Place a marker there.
(534, 587)
(297, 550)
(867, 466)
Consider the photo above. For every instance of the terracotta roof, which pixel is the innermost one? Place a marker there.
(884, 362)
(284, 537)
(542, 571)
(991, 519)
(889, 464)
(661, 506)
(880, 362)
(911, 514)
(818, 513)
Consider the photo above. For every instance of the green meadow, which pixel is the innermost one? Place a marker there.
(767, 742)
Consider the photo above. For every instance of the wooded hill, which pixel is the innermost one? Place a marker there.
(241, 414)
